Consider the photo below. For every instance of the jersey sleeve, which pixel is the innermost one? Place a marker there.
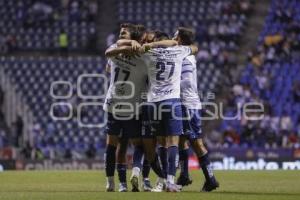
(108, 65)
(109, 62)
(113, 46)
(187, 66)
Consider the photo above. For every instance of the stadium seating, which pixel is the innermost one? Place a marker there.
(273, 82)
(33, 77)
(36, 25)
(210, 18)
(218, 24)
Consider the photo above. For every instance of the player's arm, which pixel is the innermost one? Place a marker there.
(111, 52)
(133, 43)
(124, 42)
(194, 49)
(163, 43)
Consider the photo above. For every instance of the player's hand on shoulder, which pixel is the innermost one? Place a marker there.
(194, 48)
(133, 53)
(135, 45)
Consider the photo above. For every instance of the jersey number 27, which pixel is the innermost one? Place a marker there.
(161, 66)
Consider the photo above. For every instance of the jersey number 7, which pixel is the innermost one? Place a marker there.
(125, 72)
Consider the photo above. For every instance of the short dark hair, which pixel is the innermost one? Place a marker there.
(140, 27)
(187, 35)
(127, 25)
(138, 33)
(160, 35)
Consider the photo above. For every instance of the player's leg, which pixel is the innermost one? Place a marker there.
(110, 161)
(199, 148)
(112, 131)
(173, 124)
(162, 151)
(138, 155)
(122, 163)
(137, 164)
(133, 128)
(146, 135)
(146, 180)
(173, 142)
(149, 142)
(153, 159)
(184, 178)
(210, 181)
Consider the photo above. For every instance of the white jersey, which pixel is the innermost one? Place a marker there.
(189, 91)
(164, 71)
(127, 82)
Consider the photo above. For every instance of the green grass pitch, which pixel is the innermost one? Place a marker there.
(90, 185)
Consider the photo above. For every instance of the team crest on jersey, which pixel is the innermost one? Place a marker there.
(164, 51)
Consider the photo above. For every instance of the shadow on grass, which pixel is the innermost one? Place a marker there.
(54, 191)
(247, 193)
(183, 192)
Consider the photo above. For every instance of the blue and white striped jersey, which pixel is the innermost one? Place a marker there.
(189, 91)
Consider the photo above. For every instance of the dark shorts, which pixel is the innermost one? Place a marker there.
(146, 123)
(166, 118)
(124, 128)
(192, 126)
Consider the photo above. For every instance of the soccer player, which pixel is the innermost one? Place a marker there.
(139, 162)
(192, 110)
(145, 145)
(164, 71)
(147, 136)
(136, 138)
(127, 79)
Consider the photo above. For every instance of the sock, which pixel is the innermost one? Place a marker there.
(171, 179)
(163, 156)
(157, 168)
(122, 172)
(184, 162)
(146, 169)
(136, 171)
(110, 160)
(206, 167)
(110, 179)
(173, 160)
(110, 182)
(138, 156)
